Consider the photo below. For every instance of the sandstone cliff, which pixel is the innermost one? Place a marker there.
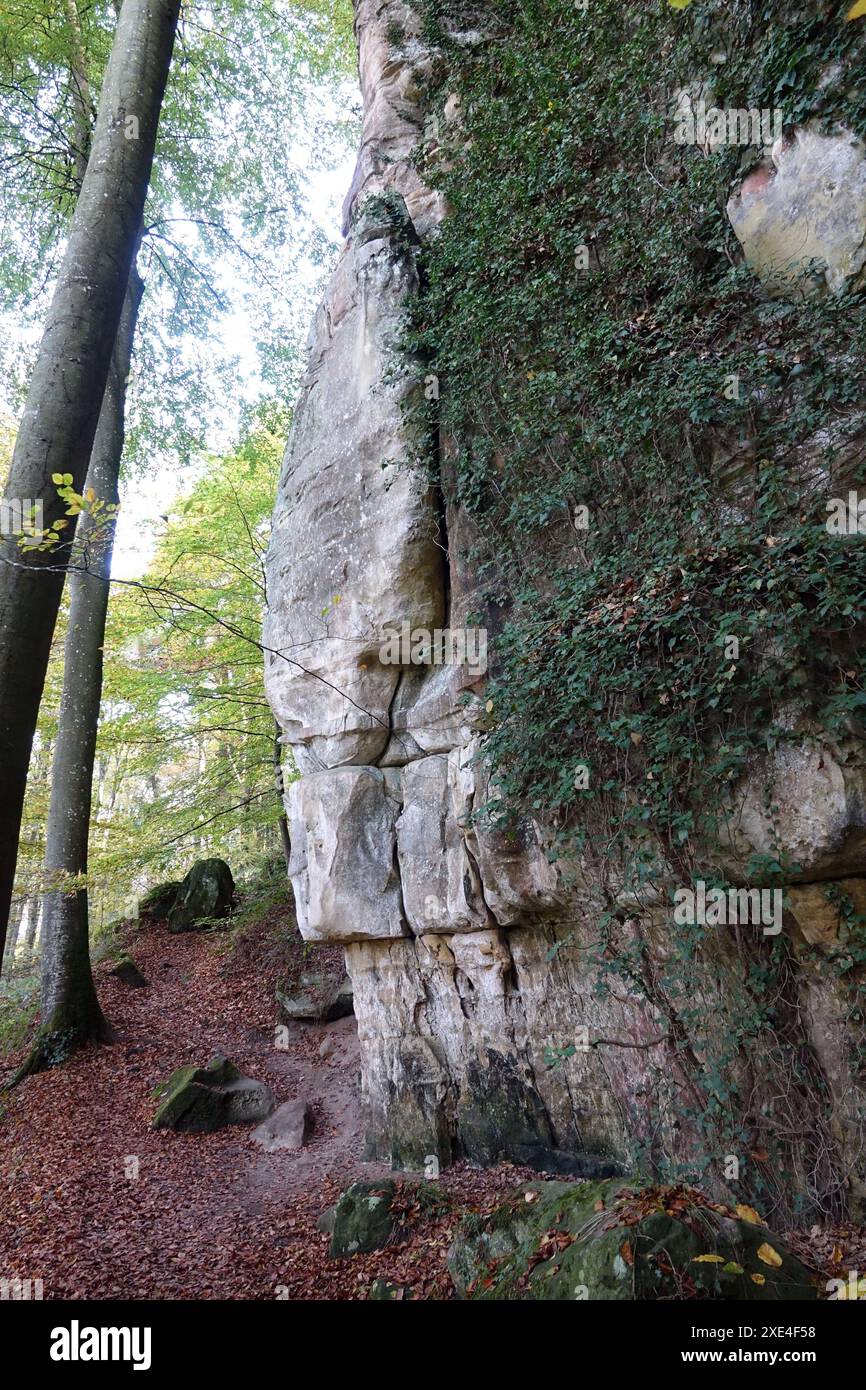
(491, 1022)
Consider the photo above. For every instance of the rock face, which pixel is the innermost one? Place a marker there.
(484, 1030)
(207, 891)
(196, 1100)
(609, 1241)
(801, 218)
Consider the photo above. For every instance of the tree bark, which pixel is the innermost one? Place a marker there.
(280, 785)
(16, 922)
(69, 380)
(34, 923)
(71, 1015)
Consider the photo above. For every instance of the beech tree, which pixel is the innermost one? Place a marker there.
(70, 1010)
(59, 424)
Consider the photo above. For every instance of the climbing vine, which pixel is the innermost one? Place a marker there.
(645, 438)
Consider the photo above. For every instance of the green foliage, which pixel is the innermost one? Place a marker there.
(257, 103)
(19, 1004)
(605, 388)
(585, 309)
(185, 752)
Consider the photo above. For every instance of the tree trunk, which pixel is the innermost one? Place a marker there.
(16, 922)
(285, 838)
(33, 925)
(71, 1015)
(65, 398)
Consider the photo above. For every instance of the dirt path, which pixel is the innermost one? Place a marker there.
(96, 1204)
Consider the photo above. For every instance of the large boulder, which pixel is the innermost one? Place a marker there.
(208, 891)
(196, 1100)
(159, 900)
(289, 1127)
(614, 1240)
(317, 1001)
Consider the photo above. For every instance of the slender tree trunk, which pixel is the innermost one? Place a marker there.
(69, 380)
(17, 914)
(27, 932)
(285, 838)
(71, 1015)
(33, 926)
(83, 126)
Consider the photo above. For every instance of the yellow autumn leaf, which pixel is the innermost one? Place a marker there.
(768, 1256)
(489, 706)
(681, 4)
(708, 1260)
(757, 1278)
(748, 1214)
(857, 11)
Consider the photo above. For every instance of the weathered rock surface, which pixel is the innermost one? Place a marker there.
(208, 891)
(489, 1026)
(610, 1241)
(801, 218)
(196, 1100)
(351, 561)
(289, 1127)
(343, 870)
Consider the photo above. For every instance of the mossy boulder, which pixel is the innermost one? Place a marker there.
(197, 1100)
(158, 901)
(364, 1218)
(207, 892)
(612, 1240)
(129, 974)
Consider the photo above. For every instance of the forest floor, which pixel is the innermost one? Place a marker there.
(98, 1205)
